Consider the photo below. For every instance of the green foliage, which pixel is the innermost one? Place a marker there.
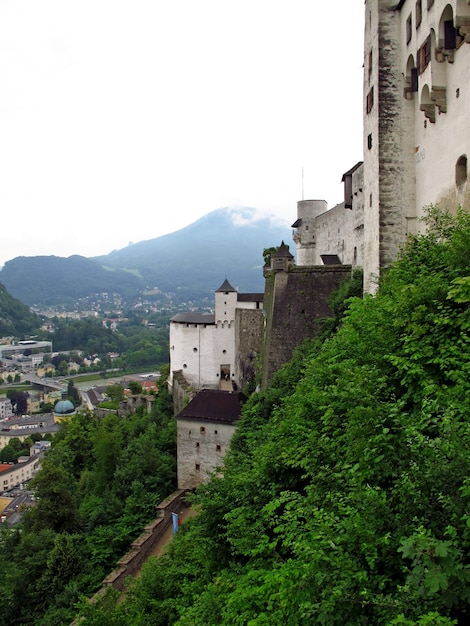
(345, 494)
(97, 489)
(15, 318)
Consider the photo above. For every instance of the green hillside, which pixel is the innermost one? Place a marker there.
(16, 320)
(345, 497)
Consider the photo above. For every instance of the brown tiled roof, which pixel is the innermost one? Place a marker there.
(213, 405)
(250, 297)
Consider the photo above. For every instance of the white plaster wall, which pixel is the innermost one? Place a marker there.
(334, 232)
(225, 304)
(200, 350)
(206, 455)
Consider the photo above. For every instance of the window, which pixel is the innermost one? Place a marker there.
(197, 444)
(408, 29)
(419, 13)
(370, 100)
(423, 57)
(450, 35)
(198, 467)
(369, 141)
(461, 171)
(202, 429)
(194, 349)
(369, 69)
(218, 447)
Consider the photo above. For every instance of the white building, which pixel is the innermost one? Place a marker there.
(203, 346)
(6, 410)
(416, 119)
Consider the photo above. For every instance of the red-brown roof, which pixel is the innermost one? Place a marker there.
(213, 405)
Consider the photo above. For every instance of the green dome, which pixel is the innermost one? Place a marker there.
(64, 407)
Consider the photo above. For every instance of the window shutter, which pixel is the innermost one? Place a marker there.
(450, 39)
(428, 51)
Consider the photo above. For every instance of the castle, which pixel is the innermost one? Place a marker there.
(416, 141)
(416, 136)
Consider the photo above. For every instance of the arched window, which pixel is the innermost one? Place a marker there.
(461, 171)
(427, 105)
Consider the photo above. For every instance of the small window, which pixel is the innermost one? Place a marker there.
(218, 447)
(194, 349)
(408, 29)
(215, 432)
(197, 444)
(461, 171)
(369, 69)
(369, 141)
(184, 365)
(370, 100)
(202, 429)
(198, 467)
(419, 13)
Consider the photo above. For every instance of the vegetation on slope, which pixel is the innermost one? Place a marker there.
(16, 320)
(345, 496)
(97, 489)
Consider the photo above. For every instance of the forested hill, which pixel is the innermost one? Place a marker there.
(16, 320)
(346, 494)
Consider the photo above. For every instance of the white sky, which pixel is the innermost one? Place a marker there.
(124, 120)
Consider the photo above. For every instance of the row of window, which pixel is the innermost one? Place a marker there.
(418, 17)
(218, 447)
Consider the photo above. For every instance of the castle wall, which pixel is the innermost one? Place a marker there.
(199, 350)
(416, 134)
(249, 325)
(294, 302)
(441, 131)
(339, 231)
(201, 447)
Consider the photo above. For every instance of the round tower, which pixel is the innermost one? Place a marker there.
(304, 233)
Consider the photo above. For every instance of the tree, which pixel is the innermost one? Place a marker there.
(135, 387)
(115, 392)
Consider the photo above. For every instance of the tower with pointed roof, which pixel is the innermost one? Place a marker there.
(216, 350)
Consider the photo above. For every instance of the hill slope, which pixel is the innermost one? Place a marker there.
(345, 495)
(191, 262)
(16, 320)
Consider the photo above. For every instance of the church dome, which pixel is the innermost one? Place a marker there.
(64, 407)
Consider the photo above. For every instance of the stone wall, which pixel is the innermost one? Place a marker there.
(294, 302)
(249, 325)
(201, 447)
(144, 546)
(181, 392)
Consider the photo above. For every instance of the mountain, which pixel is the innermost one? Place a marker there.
(189, 263)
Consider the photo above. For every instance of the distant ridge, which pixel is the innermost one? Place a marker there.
(189, 263)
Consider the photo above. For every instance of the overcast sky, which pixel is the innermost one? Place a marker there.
(122, 121)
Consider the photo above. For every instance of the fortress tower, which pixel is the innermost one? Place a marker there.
(416, 130)
(304, 235)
